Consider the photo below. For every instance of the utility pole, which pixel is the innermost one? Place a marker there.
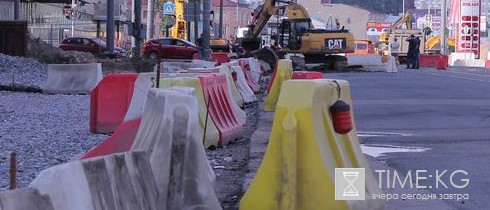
(16, 10)
(136, 28)
(206, 29)
(196, 18)
(220, 33)
(150, 20)
(443, 27)
(110, 27)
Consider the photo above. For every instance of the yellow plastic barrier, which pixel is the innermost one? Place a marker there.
(212, 134)
(283, 73)
(298, 168)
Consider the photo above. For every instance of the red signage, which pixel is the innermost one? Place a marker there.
(469, 27)
(377, 28)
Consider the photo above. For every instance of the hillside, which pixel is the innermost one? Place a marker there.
(382, 6)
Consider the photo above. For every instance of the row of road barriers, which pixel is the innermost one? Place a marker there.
(165, 168)
(155, 157)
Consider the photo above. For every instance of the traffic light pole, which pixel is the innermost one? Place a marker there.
(72, 18)
(220, 19)
(206, 29)
(110, 27)
(150, 20)
(16, 9)
(136, 28)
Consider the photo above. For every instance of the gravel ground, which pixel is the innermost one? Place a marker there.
(22, 71)
(46, 130)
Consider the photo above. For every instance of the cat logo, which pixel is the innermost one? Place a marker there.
(335, 44)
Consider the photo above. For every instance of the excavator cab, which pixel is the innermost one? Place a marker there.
(291, 30)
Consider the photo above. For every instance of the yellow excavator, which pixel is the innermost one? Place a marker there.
(298, 36)
(179, 30)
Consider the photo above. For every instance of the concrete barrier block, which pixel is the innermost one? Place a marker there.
(364, 60)
(72, 78)
(469, 63)
(25, 199)
(460, 56)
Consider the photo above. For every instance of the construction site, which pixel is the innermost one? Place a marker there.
(234, 104)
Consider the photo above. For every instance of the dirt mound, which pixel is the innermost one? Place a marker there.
(45, 53)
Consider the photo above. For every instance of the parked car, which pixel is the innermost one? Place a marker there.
(169, 48)
(93, 45)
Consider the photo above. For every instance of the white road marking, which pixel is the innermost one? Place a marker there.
(380, 150)
(375, 133)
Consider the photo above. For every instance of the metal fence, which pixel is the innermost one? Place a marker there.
(55, 33)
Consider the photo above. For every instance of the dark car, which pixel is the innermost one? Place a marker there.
(93, 45)
(169, 48)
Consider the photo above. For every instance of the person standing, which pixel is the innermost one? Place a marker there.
(416, 53)
(200, 47)
(411, 52)
(395, 47)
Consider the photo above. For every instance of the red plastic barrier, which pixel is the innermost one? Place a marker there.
(110, 101)
(220, 57)
(307, 75)
(248, 75)
(487, 64)
(215, 90)
(432, 60)
(120, 141)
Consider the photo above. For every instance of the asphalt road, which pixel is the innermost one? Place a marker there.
(446, 114)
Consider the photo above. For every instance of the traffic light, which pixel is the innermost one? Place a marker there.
(67, 12)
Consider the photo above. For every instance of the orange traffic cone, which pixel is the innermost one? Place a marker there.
(441, 64)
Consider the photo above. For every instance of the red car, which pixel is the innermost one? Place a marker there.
(86, 44)
(169, 48)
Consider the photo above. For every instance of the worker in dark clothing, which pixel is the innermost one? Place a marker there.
(416, 53)
(412, 47)
(200, 47)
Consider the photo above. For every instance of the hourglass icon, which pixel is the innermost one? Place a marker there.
(350, 177)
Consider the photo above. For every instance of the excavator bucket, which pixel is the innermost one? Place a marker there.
(251, 44)
(266, 54)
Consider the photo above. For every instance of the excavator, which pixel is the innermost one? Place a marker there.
(298, 36)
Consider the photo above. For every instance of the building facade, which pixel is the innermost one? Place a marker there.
(235, 15)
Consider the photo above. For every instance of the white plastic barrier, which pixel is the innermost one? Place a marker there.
(364, 60)
(241, 83)
(176, 66)
(119, 181)
(255, 69)
(24, 198)
(469, 63)
(203, 63)
(460, 56)
(72, 78)
(233, 89)
(142, 85)
(170, 130)
(391, 65)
